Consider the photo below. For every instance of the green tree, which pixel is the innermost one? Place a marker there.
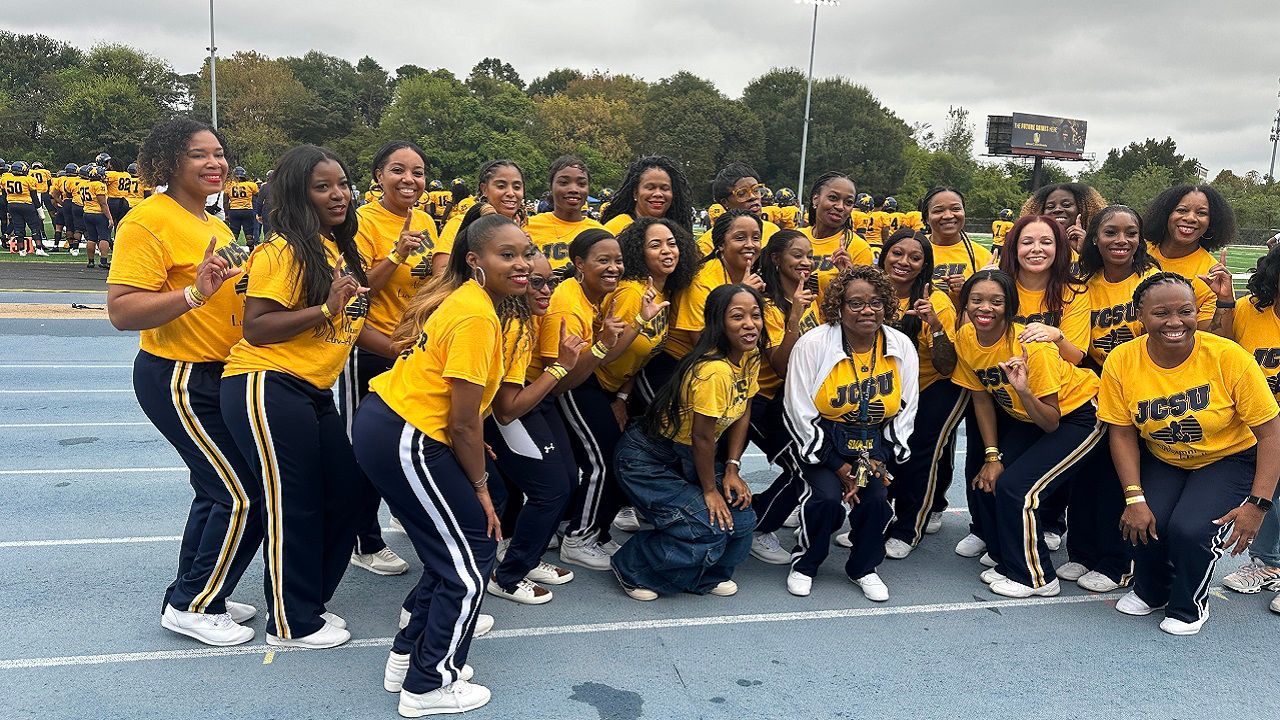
(97, 113)
(957, 138)
(373, 91)
(592, 126)
(627, 88)
(493, 69)
(554, 82)
(27, 68)
(260, 104)
(333, 106)
(155, 78)
(1120, 166)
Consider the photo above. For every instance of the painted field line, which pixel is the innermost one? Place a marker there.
(56, 366)
(582, 629)
(92, 471)
(73, 425)
(63, 392)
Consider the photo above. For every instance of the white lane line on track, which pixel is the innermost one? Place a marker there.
(58, 366)
(93, 471)
(59, 542)
(664, 624)
(85, 391)
(73, 425)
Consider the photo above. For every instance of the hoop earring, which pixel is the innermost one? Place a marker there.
(1207, 237)
(478, 274)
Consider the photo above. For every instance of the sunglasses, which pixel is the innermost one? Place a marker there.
(537, 282)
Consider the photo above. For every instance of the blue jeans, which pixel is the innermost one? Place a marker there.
(683, 552)
(1266, 546)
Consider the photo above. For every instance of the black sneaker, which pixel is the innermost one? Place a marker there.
(106, 265)
(90, 266)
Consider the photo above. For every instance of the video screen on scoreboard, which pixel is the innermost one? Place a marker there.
(1051, 134)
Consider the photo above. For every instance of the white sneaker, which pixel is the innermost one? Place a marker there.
(1015, 589)
(842, 539)
(547, 574)
(971, 546)
(610, 547)
(456, 698)
(326, 637)
(799, 584)
(398, 666)
(626, 520)
(589, 555)
(334, 619)
(1071, 571)
(896, 549)
(1275, 604)
(728, 588)
(873, 587)
(987, 560)
(241, 612)
(991, 576)
(1254, 576)
(1094, 581)
(934, 524)
(383, 562)
(766, 548)
(22, 253)
(1131, 604)
(1177, 627)
(41, 253)
(793, 520)
(75, 251)
(218, 630)
(527, 592)
(484, 623)
(1053, 540)
(635, 592)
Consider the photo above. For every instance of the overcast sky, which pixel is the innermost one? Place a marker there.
(1204, 73)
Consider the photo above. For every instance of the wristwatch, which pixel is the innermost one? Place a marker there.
(1263, 504)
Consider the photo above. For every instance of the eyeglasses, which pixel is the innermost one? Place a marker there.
(537, 282)
(741, 194)
(858, 304)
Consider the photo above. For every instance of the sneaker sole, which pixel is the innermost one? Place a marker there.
(411, 712)
(771, 561)
(395, 686)
(557, 580)
(377, 571)
(583, 564)
(535, 600)
(164, 623)
(274, 641)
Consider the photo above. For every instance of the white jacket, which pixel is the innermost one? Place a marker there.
(813, 357)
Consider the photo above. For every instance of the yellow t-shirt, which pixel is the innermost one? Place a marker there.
(769, 213)
(924, 344)
(315, 355)
(716, 389)
(1113, 319)
(618, 223)
(72, 185)
(90, 191)
(462, 207)
(18, 188)
(1258, 331)
(705, 245)
(137, 191)
(862, 224)
(552, 235)
(1189, 266)
(841, 394)
(449, 233)
(1191, 415)
(999, 229)
(961, 258)
(626, 302)
(913, 220)
(158, 247)
(379, 230)
(1047, 373)
(517, 348)
(883, 224)
(859, 251)
(568, 303)
(713, 212)
(42, 177)
(692, 303)
(786, 217)
(240, 194)
(373, 194)
(462, 340)
(1073, 320)
(440, 200)
(775, 323)
(117, 184)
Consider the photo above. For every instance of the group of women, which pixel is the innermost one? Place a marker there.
(517, 383)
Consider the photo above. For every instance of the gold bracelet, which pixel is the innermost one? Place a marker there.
(556, 370)
(1133, 488)
(599, 350)
(324, 310)
(395, 258)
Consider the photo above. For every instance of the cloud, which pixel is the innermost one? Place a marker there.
(1201, 73)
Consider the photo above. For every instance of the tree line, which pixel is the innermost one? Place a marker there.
(60, 104)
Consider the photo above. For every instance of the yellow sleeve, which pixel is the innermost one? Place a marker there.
(1254, 402)
(692, 305)
(549, 333)
(705, 245)
(624, 303)
(1111, 405)
(1075, 322)
(946, 313)
(775, 323)
(711, 389)
(1206, 299)
(1044, 371)
(965, 376)
(860, 251)
(468, 351)
(139, 259)
(272, 275)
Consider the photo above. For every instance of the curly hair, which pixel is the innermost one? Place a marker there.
(1160, 278)
(1089, 202)
(1091, 255)
(624, 200)
(1061, 279)
(833, 299)
(166, 144)
(1222, 219)
(633, 263)
(1263, 281)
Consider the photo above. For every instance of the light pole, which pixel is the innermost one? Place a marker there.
(1275, 138)
(808, 95)
(213, 69)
